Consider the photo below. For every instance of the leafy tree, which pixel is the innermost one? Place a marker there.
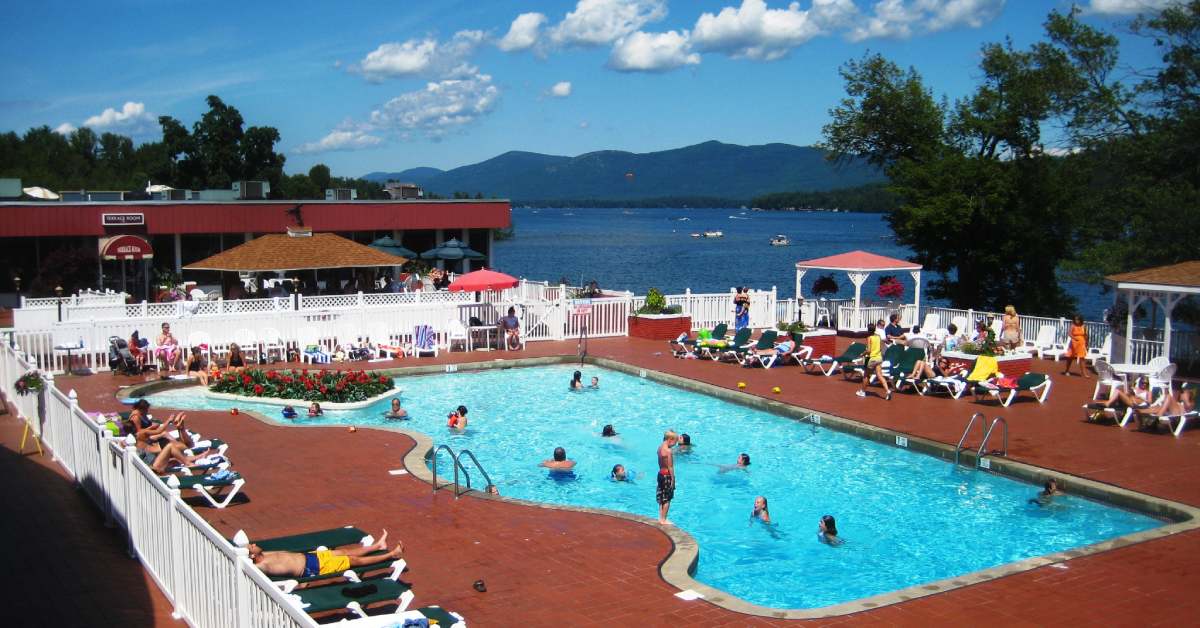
(218, 136)
(320, 176)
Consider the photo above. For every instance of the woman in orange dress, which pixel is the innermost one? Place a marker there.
(1077, 346)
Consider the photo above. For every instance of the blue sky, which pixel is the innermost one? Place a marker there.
(363, 86)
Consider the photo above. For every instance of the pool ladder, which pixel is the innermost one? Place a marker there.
(458, 465)
(987, 435)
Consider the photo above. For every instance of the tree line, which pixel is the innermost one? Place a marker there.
(999, 215)
(870, 198)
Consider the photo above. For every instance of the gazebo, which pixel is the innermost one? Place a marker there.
(1166, 286)
(858, 266)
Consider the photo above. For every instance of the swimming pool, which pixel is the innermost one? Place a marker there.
(907, 518)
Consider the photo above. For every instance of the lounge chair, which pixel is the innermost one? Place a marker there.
(272, 342)
(352, 596)
(1036, 383)
(830, 365)
(1106, 379)
(247, 343)
(1163, 379)
(798, 352)
(456, 332)
(1176, 422)
(891, 356)
(716, 334)
(953, 384)
(424, 341)
(1104, 352)
(901, 373)
(802, 353)
(740, 353)
(309, 541)
(1095, 410)
(715, 349)
(932, 321)
(435, 615)
(202, 484)
(1045, 343)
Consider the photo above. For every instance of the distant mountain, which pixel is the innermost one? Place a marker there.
(711, 169)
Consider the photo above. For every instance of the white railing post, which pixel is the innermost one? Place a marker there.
(178, 567)
(360, 299)
(145, 307)
(560, 328)
(772, 319)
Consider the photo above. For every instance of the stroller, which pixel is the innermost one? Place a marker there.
(120, 360)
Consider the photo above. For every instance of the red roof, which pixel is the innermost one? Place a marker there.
(281, 251)
(162, 217)
(860, 261)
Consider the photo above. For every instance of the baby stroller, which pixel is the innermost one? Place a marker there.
(120, 360)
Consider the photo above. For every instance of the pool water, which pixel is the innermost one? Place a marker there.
(907, 518)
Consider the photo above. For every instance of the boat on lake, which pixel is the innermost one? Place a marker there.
(780, 240)
(714, 234)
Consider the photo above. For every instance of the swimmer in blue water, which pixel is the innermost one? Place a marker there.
(577, 381)
(559, 462)
(1046, 497)
(761, 512)
(743, 463)
(289, 412)
(396, 412)
(827, 531)
(619, 474)
(595, 383)
(685, 444)
(608, 431)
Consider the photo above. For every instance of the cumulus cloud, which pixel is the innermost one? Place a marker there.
(652, 52)
(523, 33)
(599, 22)
(66, 128)
(441, 108)
(898, 19)
(132, 119)
(1121, 7)
(754, 31)
(421, 57)
(561, 89)
(352, 139)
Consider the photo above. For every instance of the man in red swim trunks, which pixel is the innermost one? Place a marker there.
(666, 475)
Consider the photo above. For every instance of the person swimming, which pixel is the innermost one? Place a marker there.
(827, 531)
(608, 431)
(457, 420)
(761, 512)
(619, 474)
(289, 412)
(577, 381)
(743, 462)
(1046, 497)
(396, 412)
(685, 444)
(559, 462)
(595, 383)
(315, 409)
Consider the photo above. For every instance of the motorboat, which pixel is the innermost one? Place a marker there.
(780, 240)
(714, 234)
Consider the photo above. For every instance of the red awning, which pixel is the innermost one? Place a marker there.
(125, 247)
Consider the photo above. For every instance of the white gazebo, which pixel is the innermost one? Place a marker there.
(1166, 286)
(858, 266)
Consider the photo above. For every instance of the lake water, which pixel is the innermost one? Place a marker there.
(636, 249)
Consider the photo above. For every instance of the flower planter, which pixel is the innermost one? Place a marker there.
(822, 341)
(1014, 365)
(301, 404)
(659, 326)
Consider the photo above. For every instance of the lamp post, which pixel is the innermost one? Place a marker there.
(58, 294)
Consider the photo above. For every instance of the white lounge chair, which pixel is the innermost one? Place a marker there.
(424, 341)
(932, 321)
(202, 484)
(247, 342)
(1104, 352)
(1046, 343)
(273, 342)
(962, 324)
(1162, 380)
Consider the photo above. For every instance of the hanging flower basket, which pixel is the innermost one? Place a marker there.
(889, 288)
(30, 383)
(825, 284)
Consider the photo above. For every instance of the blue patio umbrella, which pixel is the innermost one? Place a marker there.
(387, 245)
(452, 249)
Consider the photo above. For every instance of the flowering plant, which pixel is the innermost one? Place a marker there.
(889, 288)
(30, 383)
(304, 384)
(825, 284)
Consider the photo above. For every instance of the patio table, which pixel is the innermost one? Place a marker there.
(1127, 369)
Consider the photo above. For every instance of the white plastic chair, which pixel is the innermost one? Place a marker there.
(456, 332)
(248, 343)
(272, 341)
(932, 321)
(961, 323)
(1162, 379)
(1103, 353)
(1106, 379)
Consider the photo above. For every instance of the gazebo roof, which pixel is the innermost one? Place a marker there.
(279, 251)
(1182, 278)
(858, 261)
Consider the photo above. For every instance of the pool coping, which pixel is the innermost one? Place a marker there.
(679, 565)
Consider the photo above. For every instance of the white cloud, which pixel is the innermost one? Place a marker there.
(341, 140)
(584, 124)
(523, 33)
(132, 120)
(756, 32)
(66, 128)
(900, 20)
(561, 89)
(441, 108)
(652, 52)
(1119, 7)
(421, 57)
(599, 22)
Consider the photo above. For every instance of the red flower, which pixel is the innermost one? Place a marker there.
(324, 390)
(383, 379)
(308, 385)
(258, 389)
(341, 386)
(246, 380)
(270, 374)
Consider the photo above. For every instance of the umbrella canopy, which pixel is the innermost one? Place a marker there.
(41, 193)
(278, 251)
(391, 247)
(452, 249)
(481, 280)
(158, 187)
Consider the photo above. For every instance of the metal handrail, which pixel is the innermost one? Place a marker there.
(983, 446)
(468, 452)
(958, 448)
(457, 465)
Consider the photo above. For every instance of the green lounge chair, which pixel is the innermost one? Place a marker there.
(309, 541)
(829, 366)
(352, 596)
(745, 352)
(1036, 383)
(717, 333)
(890, 356)
(202, 484)
(740, 338)
(900, 373)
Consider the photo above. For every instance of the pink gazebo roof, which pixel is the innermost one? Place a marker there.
(858, 261)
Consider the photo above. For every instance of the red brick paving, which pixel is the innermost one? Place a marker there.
(550, 567)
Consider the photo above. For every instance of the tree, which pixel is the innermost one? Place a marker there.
(218, 136)
(320, 176)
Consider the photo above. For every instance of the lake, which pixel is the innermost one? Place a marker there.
(636, 249)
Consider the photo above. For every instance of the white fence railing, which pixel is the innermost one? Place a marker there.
(209, 582)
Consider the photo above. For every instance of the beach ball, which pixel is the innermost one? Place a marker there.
(776, 390)
(741, 385)
(233, 411)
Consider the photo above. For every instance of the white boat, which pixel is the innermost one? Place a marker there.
(713, 234)
(697, 235)
(780, 240)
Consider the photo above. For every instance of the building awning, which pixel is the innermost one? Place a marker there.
(1183, 278)
(126, 247)
(279, 251)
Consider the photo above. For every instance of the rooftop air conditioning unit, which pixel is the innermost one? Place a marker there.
(341, 194)
(251, 190)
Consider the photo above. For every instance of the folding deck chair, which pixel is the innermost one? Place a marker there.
(424, 341)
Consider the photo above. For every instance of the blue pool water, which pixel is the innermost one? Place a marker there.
(907, 518)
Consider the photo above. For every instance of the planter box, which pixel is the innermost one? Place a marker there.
(301, 404)
(1011, 365)
(659, 326)
(822, 341)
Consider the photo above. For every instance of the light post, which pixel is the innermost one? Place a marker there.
(58, 294)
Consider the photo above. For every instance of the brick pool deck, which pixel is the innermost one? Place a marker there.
(546, 567)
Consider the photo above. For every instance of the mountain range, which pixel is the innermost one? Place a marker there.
(711, 169)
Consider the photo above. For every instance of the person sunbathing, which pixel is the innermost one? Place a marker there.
(785, 346)
(1139, 396)
(321, 562)
(1171, 405)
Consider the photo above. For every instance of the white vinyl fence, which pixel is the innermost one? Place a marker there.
(209, 582)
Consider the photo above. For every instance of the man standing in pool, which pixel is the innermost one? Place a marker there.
(666, 475)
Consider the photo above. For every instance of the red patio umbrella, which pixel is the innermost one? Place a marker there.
(481, 280)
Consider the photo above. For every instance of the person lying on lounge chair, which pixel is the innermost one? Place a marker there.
(1171, 405)
(785, 346)
(321, 562)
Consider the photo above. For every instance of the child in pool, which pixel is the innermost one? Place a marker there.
(315, 410)
(827, 532)
(396, 412)
(761, 511)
